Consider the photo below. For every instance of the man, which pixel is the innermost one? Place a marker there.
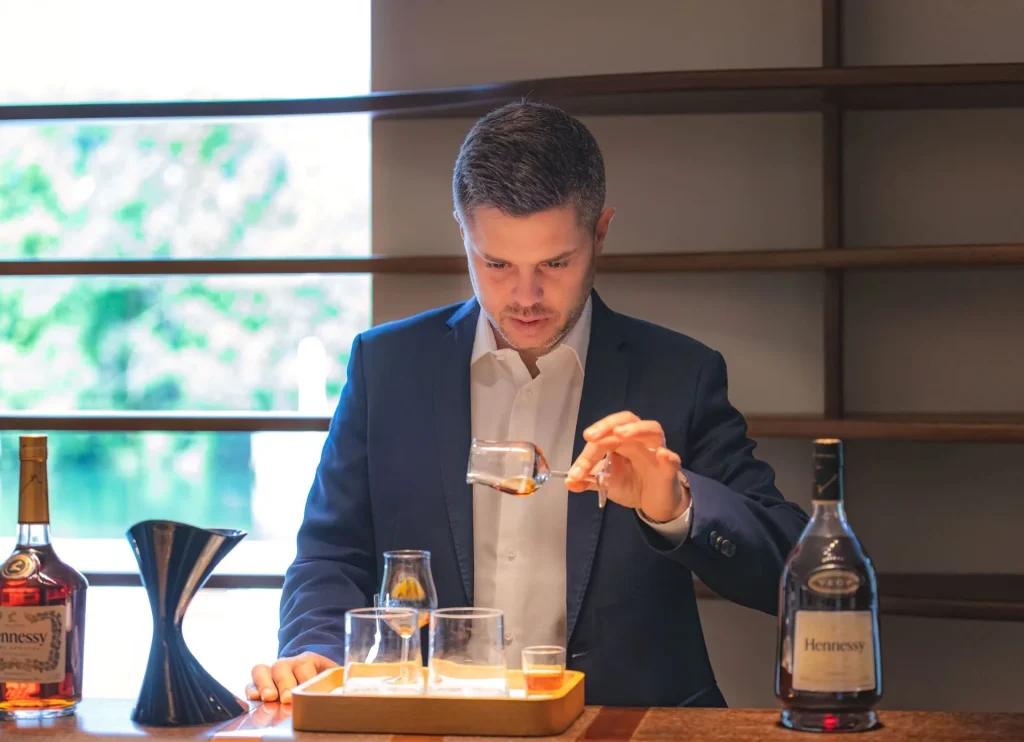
(537, 356)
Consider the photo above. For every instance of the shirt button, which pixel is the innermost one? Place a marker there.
(512, 554)
(508, 638)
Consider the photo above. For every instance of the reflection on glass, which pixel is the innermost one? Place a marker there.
(467, 652)
(377, 656)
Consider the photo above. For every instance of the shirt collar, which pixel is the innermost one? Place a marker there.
(578, 339)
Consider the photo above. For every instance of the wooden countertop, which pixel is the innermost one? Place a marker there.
(102, 719)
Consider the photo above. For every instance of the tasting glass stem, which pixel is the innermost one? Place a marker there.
(404, 668)
(602, 495)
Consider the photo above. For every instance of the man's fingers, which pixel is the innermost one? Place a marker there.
(637, 454)
(589, 457)
(604, 426)
(305, 670)
(283, 679)
(301, 671)
(322, 663)
(648, 432)
(588, 477)
(604, 436)
(651, 440)
(276, 682)
(669, 458)
(263, 682)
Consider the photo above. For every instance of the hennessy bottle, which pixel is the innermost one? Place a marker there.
(828, 674)
(42, 607)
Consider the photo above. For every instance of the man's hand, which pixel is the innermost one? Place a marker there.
(643, 473)
(270, 683)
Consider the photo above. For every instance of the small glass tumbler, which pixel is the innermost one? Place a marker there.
(467, 652)
(543, 669)
(374, 643)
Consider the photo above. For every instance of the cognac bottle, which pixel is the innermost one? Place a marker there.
(42, 607)
(828, 674)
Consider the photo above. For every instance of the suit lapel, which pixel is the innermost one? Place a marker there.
(604, 392)
(453, 417)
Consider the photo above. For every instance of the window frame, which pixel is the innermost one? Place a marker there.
(218, 422)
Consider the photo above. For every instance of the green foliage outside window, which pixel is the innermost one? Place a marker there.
(188, 343)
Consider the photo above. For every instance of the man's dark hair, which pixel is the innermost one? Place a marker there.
(527, 157)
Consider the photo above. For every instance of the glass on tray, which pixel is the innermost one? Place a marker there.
(467, 652)
(382, 652)
(408, 583)
(519, 468)
(543, 669)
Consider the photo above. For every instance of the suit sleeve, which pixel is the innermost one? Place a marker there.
(741, 528)
(335, 562)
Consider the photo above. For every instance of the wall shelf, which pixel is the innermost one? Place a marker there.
(859, 258)
(988, 597)
(935, 428)
(983, 597)
(682, 91)
(167, 422)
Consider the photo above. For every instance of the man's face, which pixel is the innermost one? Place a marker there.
(532, 275)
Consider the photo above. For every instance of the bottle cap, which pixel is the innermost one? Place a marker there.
(33, 498)
(828, 469)
(32, 448)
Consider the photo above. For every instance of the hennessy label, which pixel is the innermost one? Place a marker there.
(32, 644)
(833, 651)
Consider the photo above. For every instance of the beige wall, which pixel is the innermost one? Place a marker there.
(921, 341)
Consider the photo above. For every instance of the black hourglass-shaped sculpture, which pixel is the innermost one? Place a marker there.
(175, 559)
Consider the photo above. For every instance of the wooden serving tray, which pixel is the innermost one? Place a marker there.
(316, 707)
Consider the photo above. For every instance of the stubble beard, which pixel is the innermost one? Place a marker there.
(563, 332)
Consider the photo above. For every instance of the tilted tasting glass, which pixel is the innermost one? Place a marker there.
(519, 468)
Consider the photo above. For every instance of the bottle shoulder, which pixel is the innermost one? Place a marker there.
(814, 552)
(39, 566)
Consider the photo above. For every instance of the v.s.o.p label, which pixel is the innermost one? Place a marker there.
(834, 582)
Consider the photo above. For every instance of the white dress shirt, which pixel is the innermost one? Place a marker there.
(519, 542)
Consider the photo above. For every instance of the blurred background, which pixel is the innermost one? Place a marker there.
(932, 346)
(270, 187)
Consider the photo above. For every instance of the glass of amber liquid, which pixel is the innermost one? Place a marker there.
(543, 669)
(408, 583)
(518, 468)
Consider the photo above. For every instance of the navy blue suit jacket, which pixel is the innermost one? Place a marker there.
(393, 476)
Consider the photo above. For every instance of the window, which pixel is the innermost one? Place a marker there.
(150, 348)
